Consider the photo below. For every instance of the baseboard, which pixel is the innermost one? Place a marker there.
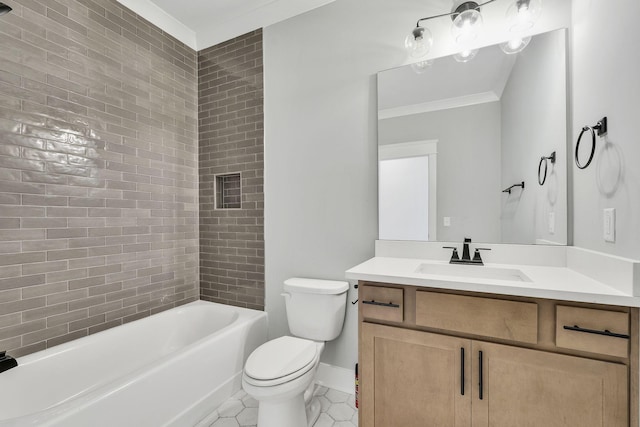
(337, 378)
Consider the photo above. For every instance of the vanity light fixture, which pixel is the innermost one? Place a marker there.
(4, 9)
(466, 55)
(467, 22)
(421, 67)
(523, 14)
(515, 45)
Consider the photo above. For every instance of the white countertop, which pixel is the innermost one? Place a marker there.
(549, 282)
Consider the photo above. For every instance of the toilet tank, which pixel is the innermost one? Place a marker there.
(315, 308)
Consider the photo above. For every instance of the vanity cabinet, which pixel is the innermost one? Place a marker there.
(524, 387)
(414, 378)
(466, 359)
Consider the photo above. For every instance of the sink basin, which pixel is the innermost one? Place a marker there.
(473, 271)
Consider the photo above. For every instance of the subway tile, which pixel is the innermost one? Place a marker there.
(21, 329)
(43, 245)
(66, 338)
(66, 275)
(90, 148)
(86, 323)
(44, 334)
(21, 258)
(40, 314)
(22, 305)
(86, 302)
(43, 290)
(21, 282)
(66, 254)
(66, 212)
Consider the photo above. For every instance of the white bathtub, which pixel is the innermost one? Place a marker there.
(171, 369)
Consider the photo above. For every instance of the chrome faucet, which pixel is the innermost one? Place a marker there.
(6, 362)
(466, 257)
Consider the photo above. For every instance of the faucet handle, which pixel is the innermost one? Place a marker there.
(454, 255)
(476, 255)
(467, 239)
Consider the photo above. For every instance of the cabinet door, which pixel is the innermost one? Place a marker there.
(530, 388)
(413, 378)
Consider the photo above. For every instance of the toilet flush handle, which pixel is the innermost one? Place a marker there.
(286, 295)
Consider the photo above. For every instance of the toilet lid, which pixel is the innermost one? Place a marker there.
(280, 357)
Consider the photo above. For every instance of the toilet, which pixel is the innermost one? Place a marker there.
(280, 373)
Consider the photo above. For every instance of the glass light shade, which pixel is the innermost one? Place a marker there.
(466, 26)
(523, 14)
(419, 42)
(422, 66)
(466, 55)
(515, 45)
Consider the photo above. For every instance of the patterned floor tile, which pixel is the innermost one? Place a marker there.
(338, 410)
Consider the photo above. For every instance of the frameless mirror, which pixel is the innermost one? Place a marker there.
(476, 149)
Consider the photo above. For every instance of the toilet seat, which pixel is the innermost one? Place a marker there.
(279, 361)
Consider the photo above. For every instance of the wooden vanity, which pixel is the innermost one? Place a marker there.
(442, 358)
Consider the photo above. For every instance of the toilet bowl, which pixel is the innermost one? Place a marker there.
(280, 374)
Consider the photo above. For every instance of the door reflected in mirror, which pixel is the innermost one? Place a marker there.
(453, 135)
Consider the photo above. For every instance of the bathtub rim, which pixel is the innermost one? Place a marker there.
(60, 409)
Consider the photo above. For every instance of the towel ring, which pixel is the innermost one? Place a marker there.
(601, 128)
(543, 160)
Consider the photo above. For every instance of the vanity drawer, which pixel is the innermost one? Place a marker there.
(381, 303)
(510, 320)
(592, 330)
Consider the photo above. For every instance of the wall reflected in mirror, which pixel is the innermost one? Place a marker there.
(453, 135)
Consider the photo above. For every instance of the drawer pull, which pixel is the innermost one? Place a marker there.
(381, 304)
(481, 375)
(595, 331)
(462, 371)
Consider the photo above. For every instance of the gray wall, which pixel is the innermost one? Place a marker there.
(468, 165)
(320, 138)
(607, 84)
(231, 141)
(535, 93)
(98, 171)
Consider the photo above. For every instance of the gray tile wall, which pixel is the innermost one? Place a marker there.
(98, 172)
(231, 128)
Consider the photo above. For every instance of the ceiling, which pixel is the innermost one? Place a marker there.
(402, 91)
(204, 23)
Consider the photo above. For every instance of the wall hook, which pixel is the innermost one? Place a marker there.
(601, 129)
(543, 159)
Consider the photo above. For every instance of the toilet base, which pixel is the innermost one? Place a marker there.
(313, 411)
(285, 413)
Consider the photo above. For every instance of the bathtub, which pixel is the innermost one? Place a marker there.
(171, 369)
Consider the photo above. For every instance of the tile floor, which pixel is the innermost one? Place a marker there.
(338, 410)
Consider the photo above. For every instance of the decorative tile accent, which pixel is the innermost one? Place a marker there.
(231, 128)
(335, 415)
(98, 171)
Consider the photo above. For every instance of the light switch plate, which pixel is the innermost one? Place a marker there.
(609, 225)
(552, 222)
(446, 221)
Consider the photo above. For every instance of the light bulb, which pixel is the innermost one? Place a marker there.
(515, 45)
(465, 55)
(422, 66)
(466, 26)
(523, 14)
(419, 42)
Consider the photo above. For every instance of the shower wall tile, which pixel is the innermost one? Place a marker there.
(231, 128)
(98, 171)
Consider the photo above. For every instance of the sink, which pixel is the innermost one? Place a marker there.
(473, 271)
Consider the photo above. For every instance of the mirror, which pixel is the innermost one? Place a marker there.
(463, 147)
